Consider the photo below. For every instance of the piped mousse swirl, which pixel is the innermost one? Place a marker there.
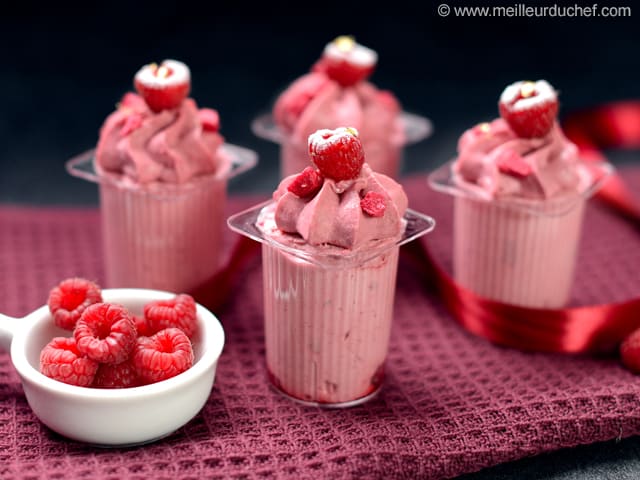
(524, 154)
(342, 203)
(336, 92)
(160, 135)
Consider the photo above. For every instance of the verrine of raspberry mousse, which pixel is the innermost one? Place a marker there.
(162, 167)
(519, 191)
(336, 92)
(330, 242)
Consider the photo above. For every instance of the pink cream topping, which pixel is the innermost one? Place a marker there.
(502, 164)
(347, 214)
(169, 146)
(336, 92)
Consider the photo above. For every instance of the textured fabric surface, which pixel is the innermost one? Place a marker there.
(452, 402)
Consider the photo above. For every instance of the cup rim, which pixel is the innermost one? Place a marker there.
(594, 173)
(244, 223)
(415, 127)
(241, 160)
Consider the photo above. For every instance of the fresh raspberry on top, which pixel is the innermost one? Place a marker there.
(70, 298)
(373, 204)
(120, 375)
(530, 108)
(307, 183)
(346, 61)
(338, 153)
(178, 312)
(163, 86)
(163, 355)
(61, 360)
(105, 333)
(630, 351)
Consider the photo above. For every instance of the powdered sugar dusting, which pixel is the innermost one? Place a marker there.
(351, 52)
(180, 75)
(320, 137)
(544, 93)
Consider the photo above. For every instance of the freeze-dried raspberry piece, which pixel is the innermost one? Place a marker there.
(209, 119)
(61, 360)
(131, 123)
(163, 355)
(70, 298)
(105, 333)
(513, 164)
(293, 102)
(373, 204)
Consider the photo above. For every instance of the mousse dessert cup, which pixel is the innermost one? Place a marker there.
(162, 168)
(519, 191)
(336, 92)
(330, 242)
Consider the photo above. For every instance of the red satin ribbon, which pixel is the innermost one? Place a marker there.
(590, 329)
(216, 291)
(615, 125)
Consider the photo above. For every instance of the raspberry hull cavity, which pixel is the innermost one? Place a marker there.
(163, 355)
(105, 333)
(70, 298)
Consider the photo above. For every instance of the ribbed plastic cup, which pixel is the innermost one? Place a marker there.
(163, 236)
(518, 251)
(327, 315)
(516, 256)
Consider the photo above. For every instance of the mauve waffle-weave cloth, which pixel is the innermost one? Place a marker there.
(451, 403)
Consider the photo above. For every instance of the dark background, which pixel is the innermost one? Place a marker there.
(63, 68)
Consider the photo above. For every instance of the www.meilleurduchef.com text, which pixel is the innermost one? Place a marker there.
(524, 10)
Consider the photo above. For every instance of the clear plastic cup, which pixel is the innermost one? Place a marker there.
(327, 314)
(163, 236)
(383, 157)
(518, 251)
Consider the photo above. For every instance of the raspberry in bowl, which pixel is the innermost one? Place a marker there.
(519, 191)
(337, 91)
(162, 166)
(330, 243)
(106, 404)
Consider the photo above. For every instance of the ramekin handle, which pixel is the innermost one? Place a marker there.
(7, 326)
